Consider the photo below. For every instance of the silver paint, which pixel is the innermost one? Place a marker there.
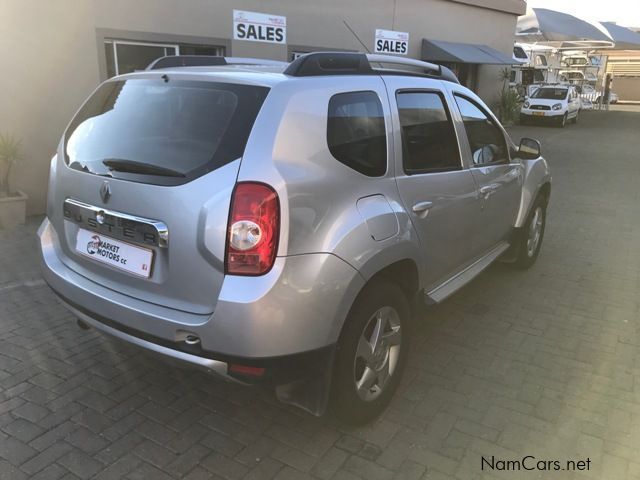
(339, 228)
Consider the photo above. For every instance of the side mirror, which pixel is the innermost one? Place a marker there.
(529, 149)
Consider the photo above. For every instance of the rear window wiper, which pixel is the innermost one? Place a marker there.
(131, 166)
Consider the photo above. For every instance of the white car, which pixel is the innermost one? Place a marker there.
(556, 103)
(578, 76)
(589, 94)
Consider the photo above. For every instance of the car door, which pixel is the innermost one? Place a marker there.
(499, 181)
(437, 189)
(574, 103)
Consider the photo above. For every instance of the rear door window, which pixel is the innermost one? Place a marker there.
(356, 132)
(429, 142)
(164, 133)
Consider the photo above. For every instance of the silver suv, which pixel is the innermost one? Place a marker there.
(275, 223)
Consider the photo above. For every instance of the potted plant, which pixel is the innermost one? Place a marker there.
(13, 204)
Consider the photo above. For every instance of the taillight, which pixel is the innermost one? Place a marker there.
(253, 229)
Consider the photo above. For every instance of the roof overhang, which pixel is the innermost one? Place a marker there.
(560, 30)
(624, 38)
(455, 52)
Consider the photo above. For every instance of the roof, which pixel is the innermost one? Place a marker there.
(560, 30)
(250, 75)
(309, 65)
(454, 52)
(624, 38)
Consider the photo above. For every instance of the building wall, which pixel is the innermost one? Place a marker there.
(54, 54)
(627, 88)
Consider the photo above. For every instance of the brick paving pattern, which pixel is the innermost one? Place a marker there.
(543, 363)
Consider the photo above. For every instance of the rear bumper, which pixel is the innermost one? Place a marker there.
(293, 315)
(277, 371)
(207, 364)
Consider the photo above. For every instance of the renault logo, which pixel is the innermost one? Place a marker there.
(105, 192)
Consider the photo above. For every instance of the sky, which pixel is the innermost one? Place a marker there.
(623, 12)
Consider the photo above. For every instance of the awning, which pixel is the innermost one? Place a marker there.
(624, 38)
(453, 52)
(560, 30)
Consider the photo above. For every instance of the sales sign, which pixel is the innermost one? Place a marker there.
(388, 41)
(259, 27)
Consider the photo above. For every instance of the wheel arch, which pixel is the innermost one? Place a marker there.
(403, 272)
(537, 181)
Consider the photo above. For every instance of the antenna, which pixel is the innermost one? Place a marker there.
(356, 35)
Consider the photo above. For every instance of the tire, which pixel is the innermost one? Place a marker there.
(381, 303)
(528, 248)
(563, 121)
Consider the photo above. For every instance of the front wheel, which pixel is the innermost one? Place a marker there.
(529, 240)
(575, 119)
(563, 121)
(371, 354)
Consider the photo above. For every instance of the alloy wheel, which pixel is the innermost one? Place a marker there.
(535, 231)
(377, 353)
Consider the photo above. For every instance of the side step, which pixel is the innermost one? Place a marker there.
(460, 279)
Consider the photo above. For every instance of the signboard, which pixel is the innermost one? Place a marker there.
(259, 27)
(388, 41)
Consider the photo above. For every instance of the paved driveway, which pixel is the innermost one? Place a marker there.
(543, 363)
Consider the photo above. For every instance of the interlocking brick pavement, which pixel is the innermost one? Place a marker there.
(543, 362)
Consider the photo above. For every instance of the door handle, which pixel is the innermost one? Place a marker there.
(487, 190)
(422, 208)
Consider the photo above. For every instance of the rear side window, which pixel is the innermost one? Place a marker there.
(163, 133)
(356, 132)
(429, 142)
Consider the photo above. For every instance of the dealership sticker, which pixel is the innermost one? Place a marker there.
(388, 41)
(121, 255)
(259, 27)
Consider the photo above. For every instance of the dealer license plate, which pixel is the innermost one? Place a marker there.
(538, 114)
(121, 255)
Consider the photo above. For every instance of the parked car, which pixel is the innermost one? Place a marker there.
(589, 93)
(578, 76)
(581, 60)
(556, 103)
(275, 224)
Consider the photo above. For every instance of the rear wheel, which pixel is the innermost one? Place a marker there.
(371, 354)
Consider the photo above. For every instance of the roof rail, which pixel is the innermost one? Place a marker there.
(172, 61)
(347, 63)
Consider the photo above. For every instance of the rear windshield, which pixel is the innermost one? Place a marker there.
(550, 93)
(162, 132)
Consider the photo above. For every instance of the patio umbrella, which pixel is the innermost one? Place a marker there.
(560, 30)
(624, 38)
